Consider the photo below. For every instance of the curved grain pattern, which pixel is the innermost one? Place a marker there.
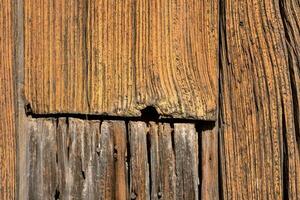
(260, 158)
(7, 119)
(117, 57)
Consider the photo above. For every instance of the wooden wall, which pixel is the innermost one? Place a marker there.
(247, 54)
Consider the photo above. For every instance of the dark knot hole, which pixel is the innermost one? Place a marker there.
(149, 114)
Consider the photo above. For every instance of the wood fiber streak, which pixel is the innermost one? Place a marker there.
(7, 119)
(187, 160)
(117, 57)
(258, 117)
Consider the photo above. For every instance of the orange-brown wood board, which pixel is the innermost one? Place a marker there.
(118, 57)
(7, 115)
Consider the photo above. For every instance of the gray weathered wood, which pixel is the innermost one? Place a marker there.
(72, 158)
(42, 164)
(76, 159)
(139, 168)
(163, 176)
(186, 151)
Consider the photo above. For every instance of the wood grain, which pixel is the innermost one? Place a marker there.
(117, 57)
(291, 19)
(209, 164)
(7, 111)
(76, 159)
(258, 127)
(139, 166)
(42, 164)
(71, 158)
(187, 161)
(162, 162)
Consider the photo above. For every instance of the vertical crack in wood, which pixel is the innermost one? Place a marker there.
(128, 159)
(221, 52)
(149, 146)
(285, 164)
(85, 53)
(199, 131)
(293, 61)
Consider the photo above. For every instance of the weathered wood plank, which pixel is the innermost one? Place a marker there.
(118, 129)
(42, 161)
(291, 19)
(112, 156)
(257, 111)
(71, 158)
(209, 165)
(117, 57)
(139, 167)
(77, 159)
(186, 156)
(163, 178)
(7, 110)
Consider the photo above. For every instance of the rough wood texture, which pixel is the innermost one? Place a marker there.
(162, 162)
(209, 165)
(42, 164)
(290, 12)
(117, 57)
(76, 159)
(7, 115)
(186, 155)
(258, 118)
(69, 158)
(139, 166)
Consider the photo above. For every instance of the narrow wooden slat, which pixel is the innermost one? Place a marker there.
(139, 168)
(91, 159)
(209, 165)
(186, 155)
(118, 129)
(163, 178)
(7, 110)
(42, 164)
(63, 140)
(256, 103)
(117, 57)
(75, 174)
(106, 162)
(112, 159)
